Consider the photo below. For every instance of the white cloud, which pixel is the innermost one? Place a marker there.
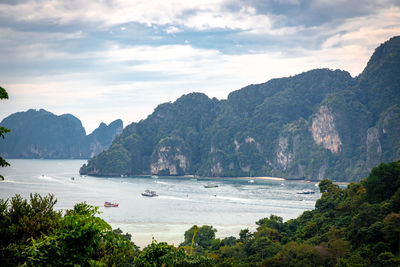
(127, 80)
(172, 29)
(196, 14)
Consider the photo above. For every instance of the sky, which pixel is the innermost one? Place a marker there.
(103, 60)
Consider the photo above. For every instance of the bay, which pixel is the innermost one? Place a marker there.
(182, 202)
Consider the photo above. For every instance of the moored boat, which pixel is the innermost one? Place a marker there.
(210, 186)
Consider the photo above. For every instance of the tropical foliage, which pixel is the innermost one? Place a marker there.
(3, 130)
(34, 234)
(355, 226)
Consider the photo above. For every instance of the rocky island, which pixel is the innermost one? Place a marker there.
(318, 124)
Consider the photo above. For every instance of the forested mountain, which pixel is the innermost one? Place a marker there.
(318, 124)
(41, 134)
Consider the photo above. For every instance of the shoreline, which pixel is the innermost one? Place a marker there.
(191, 176)
(172, 233)
(262, 178)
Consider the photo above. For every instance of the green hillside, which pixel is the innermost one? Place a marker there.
(318, 124)
(42, 134)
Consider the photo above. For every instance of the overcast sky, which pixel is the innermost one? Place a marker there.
(107, 59)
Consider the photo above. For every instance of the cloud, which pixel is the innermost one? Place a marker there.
(311, 13)
(102, 60)
(172, 29)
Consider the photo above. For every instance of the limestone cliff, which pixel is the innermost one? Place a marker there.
(324, 131)
(283, 155)
(318, 124)
(42, 134)
(374, 148)
(216, 167)
(101, 138)
(170, 158)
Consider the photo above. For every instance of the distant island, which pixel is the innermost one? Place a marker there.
(319, 124)
(42, 134)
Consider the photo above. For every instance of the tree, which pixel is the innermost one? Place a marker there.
(295, 254)
(3, 130)
(162, 254)
(391, 229)
(245, 235)
(203, 238)
(21, 220)
(81, 238)
(383, 182)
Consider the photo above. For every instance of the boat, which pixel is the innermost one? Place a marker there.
(250, 181)
(306, 192)
(210, 186)
(154, 176)
(149, 193)
(108, 204)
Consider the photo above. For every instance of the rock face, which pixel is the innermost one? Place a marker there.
(318, 124)
(41, 134)
(374, 148)
(324, 131)
(216, 167)
(284, 156)
(101, 138)
(169, 160)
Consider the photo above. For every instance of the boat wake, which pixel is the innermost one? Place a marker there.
(45, 177)
(234, 199)
(159, 182)
(175, 198)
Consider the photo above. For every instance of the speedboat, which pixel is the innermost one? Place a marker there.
(149, 193)
(306, 192)
(108, 204)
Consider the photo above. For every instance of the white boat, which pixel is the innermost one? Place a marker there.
(210, 186)
(149, 193)
(306, 192)
(250, 181)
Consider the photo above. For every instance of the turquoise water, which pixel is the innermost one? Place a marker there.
(182, 202)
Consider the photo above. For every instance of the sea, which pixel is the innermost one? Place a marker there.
(235, 204)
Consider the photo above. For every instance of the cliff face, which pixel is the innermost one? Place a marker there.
(284, 156)
(101, 138)
(41, 134)
(318, 124)
(324, 131)
(170, 158)
(374, 148)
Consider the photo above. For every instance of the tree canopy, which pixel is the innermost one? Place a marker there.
(3, 130)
